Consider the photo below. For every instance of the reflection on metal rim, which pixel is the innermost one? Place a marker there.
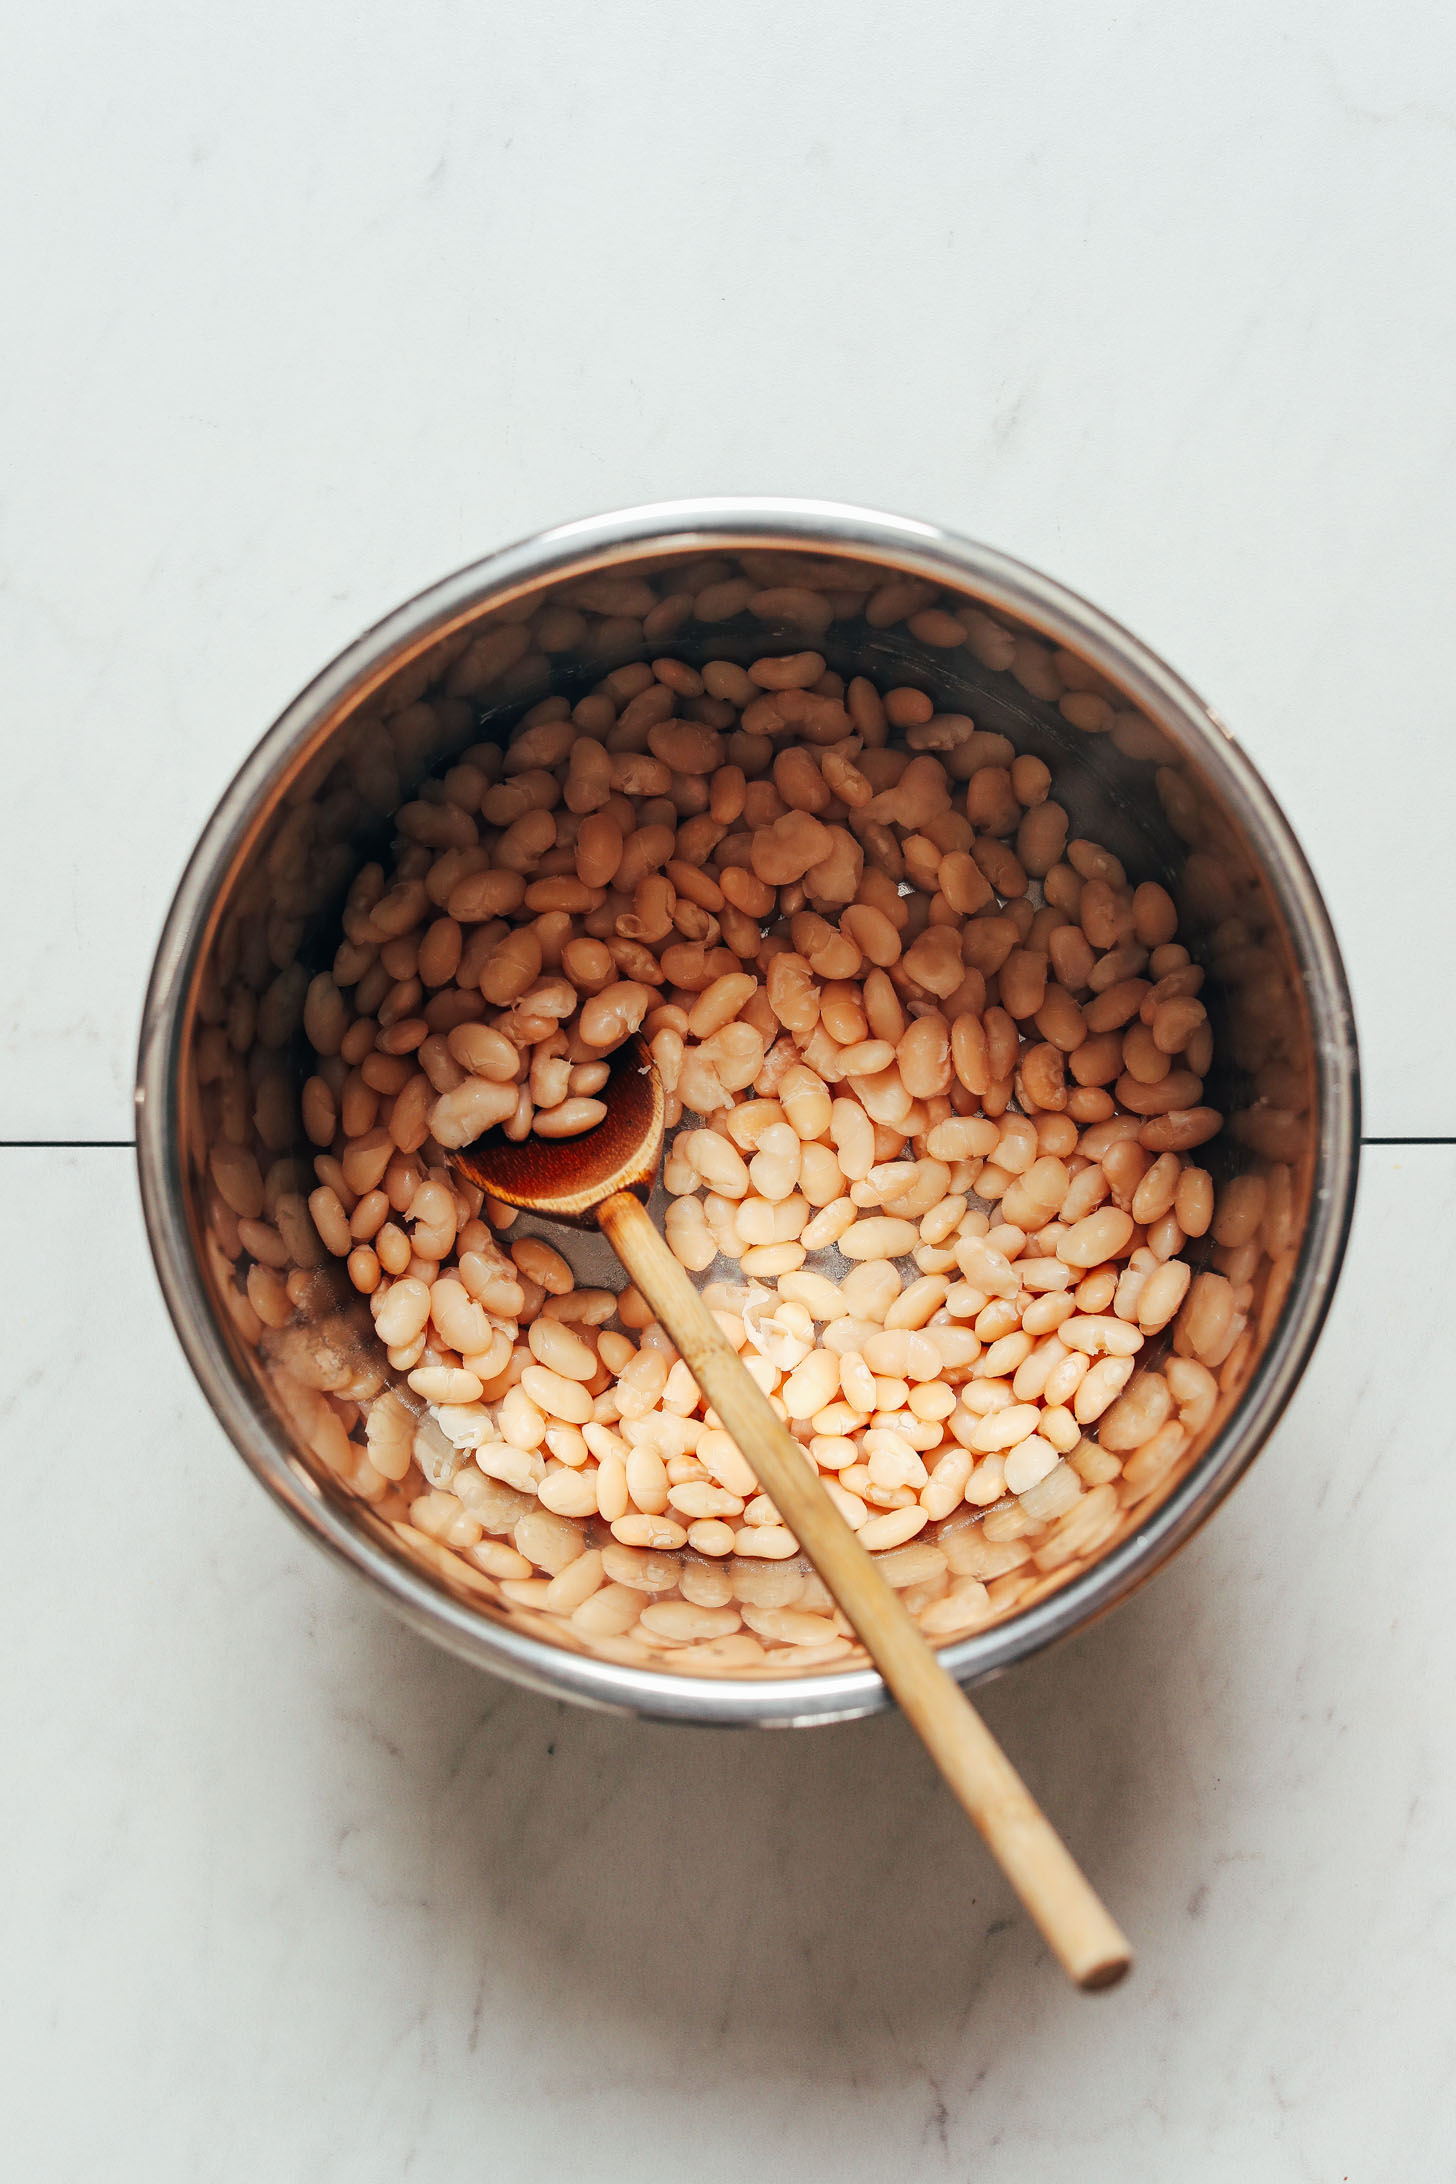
(915, 549)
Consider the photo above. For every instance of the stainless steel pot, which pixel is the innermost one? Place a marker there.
(1146, 769)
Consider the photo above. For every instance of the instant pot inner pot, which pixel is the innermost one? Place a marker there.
(275, 921)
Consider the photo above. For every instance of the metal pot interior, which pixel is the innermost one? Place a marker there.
(1158, 783)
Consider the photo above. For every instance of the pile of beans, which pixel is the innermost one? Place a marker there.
(935, 1077)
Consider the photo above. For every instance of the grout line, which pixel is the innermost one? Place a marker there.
(126, 1144)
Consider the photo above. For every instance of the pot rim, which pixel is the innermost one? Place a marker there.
(915, 549)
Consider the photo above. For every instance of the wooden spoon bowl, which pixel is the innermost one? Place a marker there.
(570, 1179)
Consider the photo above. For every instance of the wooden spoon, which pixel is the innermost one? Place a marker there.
(603, 1179)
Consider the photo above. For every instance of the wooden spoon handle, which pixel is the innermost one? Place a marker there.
(1033, 1857)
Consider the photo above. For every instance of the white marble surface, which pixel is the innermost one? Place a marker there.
(288, 1894)
(309, 305)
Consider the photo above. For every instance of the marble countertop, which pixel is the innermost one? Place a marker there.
(312, 305)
